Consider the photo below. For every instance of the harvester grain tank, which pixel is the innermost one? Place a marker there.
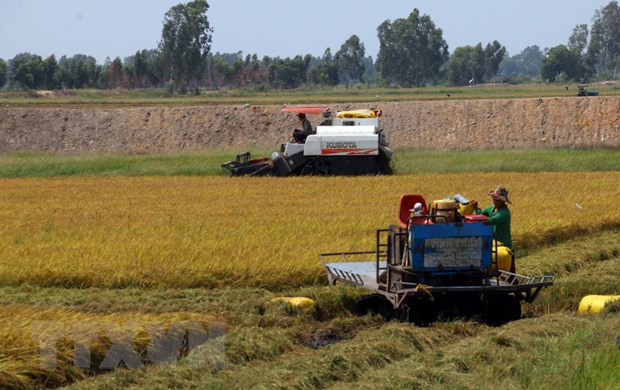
(435, 264)
(344, 143)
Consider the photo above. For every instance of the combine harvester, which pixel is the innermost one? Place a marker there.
(349, 143)
(438, 263)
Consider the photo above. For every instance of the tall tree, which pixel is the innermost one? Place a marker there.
(412, 51)
(350, 60)
(369, 69)
(562, 61)
(115, 73)
(289, 73)
(470, 65)
(526, 63)
(466, 65)
(494, 54)
(325, 72)
(51, 79)
(27, 71)
(4, 67)
(139, 70)
(79, 71)
(605, 38)
(578, 41)
(185, 41)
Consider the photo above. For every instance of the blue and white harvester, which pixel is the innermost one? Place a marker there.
(438, 263)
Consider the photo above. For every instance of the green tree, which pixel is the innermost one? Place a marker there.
(51, 79)
(470, 65)
(223, 69)
(369, 69)
(79, 71)
(494, 54)
(4, 68)
(185, 41)
(466, 65)
(350, 60)
(137, 69)
(289, 73)
(412, 51)
(561, 62)
(605, 38)
(578, 41)
(150, 75)
(115, 73)
(27, 71)
(325, 72)
(253, 73)
(526, 63)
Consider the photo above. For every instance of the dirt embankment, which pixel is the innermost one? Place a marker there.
(497, 124)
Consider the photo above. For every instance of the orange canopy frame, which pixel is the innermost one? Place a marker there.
(308, 110)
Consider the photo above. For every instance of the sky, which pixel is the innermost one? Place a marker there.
(280, 28)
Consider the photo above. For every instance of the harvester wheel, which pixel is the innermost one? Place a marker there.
(422, 311)
(323, 168)
(280, 166)
(384, 166)
(502, 308)
(375, 304)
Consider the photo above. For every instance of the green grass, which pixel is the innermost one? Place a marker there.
(537, 160)
(304, 95)
(208, 162)
(14, 165)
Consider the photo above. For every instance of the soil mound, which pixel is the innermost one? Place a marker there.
(442, 125)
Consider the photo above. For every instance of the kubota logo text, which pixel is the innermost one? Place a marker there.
(341, 145)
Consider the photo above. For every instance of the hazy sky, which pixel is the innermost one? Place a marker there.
(284, 28)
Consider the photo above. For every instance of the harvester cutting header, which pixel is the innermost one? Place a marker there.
(344, 143)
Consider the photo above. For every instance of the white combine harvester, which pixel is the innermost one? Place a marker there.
(345, 143)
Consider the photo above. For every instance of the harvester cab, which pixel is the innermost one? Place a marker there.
(436, 262)
(345, 143)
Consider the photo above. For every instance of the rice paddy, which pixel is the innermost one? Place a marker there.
(159, 251)
(212, 232)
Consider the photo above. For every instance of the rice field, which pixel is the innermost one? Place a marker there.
(186, 232)
(56, 346)
(138, 252)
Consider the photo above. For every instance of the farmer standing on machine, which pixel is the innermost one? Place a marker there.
(499, 215)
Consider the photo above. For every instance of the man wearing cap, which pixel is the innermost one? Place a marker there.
(499, 215)
(300, 136)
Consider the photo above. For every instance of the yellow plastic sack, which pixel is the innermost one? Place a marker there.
(466, 209)
(298, 303)
(502, 259)
(594, 304)
(356, 114)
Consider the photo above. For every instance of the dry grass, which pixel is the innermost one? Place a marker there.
(215, 231)
(38, 346)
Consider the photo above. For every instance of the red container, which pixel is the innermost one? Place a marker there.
(475, 218)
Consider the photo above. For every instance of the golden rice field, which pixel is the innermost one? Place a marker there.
(139, 256)
(269, 232)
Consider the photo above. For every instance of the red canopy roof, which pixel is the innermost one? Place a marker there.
(309, 110)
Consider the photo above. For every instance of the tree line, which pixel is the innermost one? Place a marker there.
(412, 52)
